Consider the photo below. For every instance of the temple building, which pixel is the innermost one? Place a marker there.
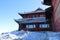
(55, 13)
(35, 21)
(38, 20)
(42, 20)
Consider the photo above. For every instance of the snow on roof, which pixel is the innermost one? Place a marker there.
(44, 7)
(29, 20)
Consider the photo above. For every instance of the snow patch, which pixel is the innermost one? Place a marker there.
(28, 35)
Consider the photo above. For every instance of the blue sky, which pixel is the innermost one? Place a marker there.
(9, 11)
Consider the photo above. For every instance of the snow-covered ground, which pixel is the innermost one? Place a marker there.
(28, 35)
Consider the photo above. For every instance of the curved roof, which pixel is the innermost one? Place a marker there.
(38, 10)
(30, 20)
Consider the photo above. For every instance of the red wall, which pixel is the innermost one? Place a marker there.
(56, 15)
(55, 4)
(33, 15)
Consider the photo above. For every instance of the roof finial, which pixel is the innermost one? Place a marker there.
(38, 9)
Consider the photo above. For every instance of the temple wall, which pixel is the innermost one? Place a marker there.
(33, 15)
(56, 14)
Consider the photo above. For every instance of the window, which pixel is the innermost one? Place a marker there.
(30, 26)
(44, 25)
(33, 16)
(42, 15)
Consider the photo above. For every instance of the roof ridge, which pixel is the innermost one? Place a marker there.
(38, 9)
